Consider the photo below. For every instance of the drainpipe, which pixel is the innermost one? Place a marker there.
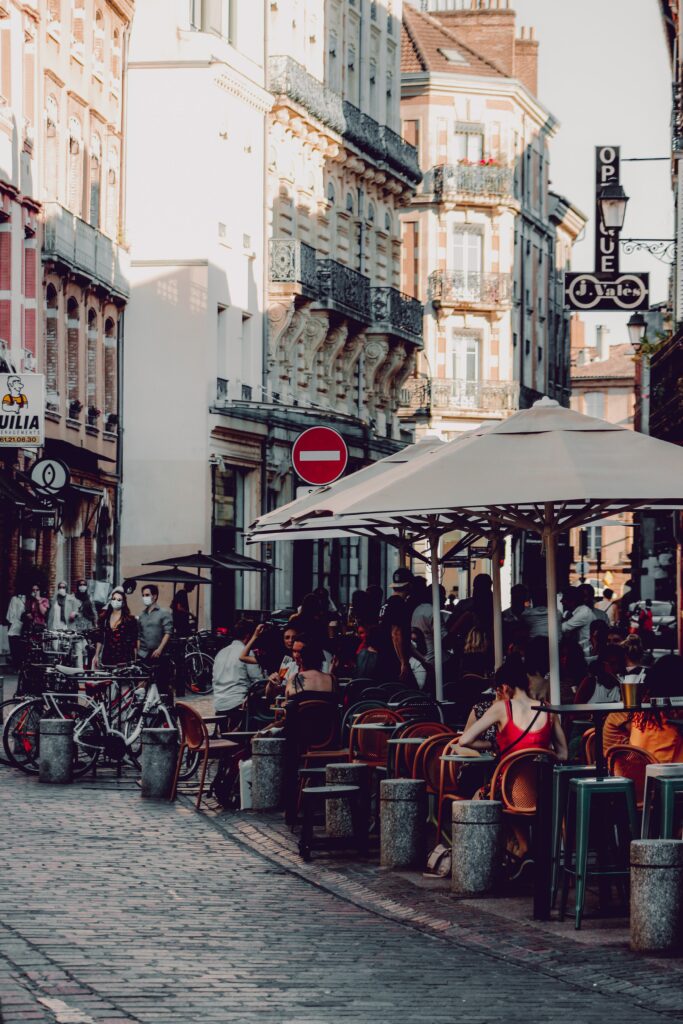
(266, 254)
(119, 444)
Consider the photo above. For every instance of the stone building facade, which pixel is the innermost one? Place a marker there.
(485, 241)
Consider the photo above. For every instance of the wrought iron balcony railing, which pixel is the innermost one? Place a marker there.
(398, 313)
(458, 288)
(293, 262)
(83, 248)
(344, 290)
(425, 395)
(401, 154)
(451, 180)
(222, 389)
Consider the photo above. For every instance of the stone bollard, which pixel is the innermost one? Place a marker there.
(56, 751)
(477, 843)
(338, 823)
(268, 772)
(656, 895)
(403, 823)
(159, 759)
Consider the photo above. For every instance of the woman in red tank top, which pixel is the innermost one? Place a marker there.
(519, 726)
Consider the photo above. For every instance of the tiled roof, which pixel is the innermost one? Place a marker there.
(424, 42)
(619, 364)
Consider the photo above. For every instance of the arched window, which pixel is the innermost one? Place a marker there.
(98, 40)
(388, 223)
(52, 346)
(331, 196)
(349, 203)
(51, 167)
(112, 214)
(110, 396)
(371, 213)
(73, 344)
(91, 368)
(116, 55)
(78, 25)
(54, 11)
(75, 167)
(95, 179)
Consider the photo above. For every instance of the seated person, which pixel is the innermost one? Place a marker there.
(601, 685)
(537, 667)
(518, 726)
(656, 731)
(288, 666)
(617, 728)
(232, 677)
(367, 653)
(309, 678)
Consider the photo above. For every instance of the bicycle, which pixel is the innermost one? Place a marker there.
(94, 733)
(199, 663)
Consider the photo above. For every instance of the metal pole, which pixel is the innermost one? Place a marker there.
(436, 614)
(497, 602)
(542, 836)
(551, 587)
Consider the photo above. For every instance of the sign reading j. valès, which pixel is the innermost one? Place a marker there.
(22, 410)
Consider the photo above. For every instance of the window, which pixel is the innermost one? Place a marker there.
(388, 223)
(469, 142)
(410, 257)
(73, 341)
(51, 346)
(51, 166)
(98, 41)
(5, 66)
(462, 358)
(116, 56)
(411, 133)
(110, 353)
(112, 210)
(215, 16)
(467, 251)
(371, 213)
(78, 26)
(95, 180)
(349, 203)
(91, 361)
(594, 404)
(593, 541)
(389, 91)
(75, 165)
(54, 12)
(330, 193)
(351, 75)
(333, 61)
(373, 89)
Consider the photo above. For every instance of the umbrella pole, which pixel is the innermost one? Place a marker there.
(551, 601)
(497, 602)
(436, 615)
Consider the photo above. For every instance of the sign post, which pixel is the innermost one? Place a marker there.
(319, 456)
(606, 289)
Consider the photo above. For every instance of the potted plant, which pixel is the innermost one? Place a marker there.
(93, 415)
(112, 422)
(75, 408)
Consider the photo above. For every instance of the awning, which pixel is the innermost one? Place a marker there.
(13, 493)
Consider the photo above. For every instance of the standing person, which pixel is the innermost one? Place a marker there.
(587, 592)
(395, 619)
(37, 609)
(609, 605)
(15, 623)
(86, 619)
(578, 617)
(422, 624)
(118, 638)
(513, 616)
(180, 609)
(374, 595)
(232, 677)
(63, 609)
(535, 618)
(155, 625)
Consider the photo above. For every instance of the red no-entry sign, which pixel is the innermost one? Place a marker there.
(319, 455)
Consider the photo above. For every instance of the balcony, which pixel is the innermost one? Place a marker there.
(463, 290)
(397, 314)
(288, 78)
(344, 290)
(83, 249)
(293, 262)
(423, 396)
(460, 181)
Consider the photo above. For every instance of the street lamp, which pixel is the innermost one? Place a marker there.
(637, 326)
(612, 201)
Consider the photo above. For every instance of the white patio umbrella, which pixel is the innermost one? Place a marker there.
(545, 469)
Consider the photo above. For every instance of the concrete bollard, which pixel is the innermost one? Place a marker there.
(268, 772)
(656, 895)
(56, 751)
(338, 820)
(403, 823)
(477, 843)
(159, 758)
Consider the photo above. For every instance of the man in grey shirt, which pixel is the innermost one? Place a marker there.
(155, 625)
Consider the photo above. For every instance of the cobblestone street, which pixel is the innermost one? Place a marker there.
(115, 910)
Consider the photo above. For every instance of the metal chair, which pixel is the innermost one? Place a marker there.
(195, 737)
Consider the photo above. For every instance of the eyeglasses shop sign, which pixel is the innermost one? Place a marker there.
(22, 410)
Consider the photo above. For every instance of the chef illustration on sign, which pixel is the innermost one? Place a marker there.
(16, 400)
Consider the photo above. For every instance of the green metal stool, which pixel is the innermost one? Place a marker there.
(562, 775)
(652, 772)
(666, 791)
(619, 814)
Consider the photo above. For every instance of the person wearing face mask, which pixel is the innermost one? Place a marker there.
(118, 638)
(36, 609)
(155, 625)
(15, 623)
(85, 616)
(63, 609)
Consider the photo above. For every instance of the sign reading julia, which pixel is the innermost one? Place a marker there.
(22, 410)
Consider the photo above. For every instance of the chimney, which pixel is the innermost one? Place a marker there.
(486, 26)
(526, 60)
(601, 342)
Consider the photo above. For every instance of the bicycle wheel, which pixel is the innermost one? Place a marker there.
(200, 672)
(20, 735)
(89, 737)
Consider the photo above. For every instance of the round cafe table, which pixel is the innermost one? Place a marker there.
(401, 741)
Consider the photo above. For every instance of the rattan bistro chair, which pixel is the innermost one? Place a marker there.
(195, 736)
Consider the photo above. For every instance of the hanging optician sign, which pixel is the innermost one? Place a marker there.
(606, 289)
(22, 410)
